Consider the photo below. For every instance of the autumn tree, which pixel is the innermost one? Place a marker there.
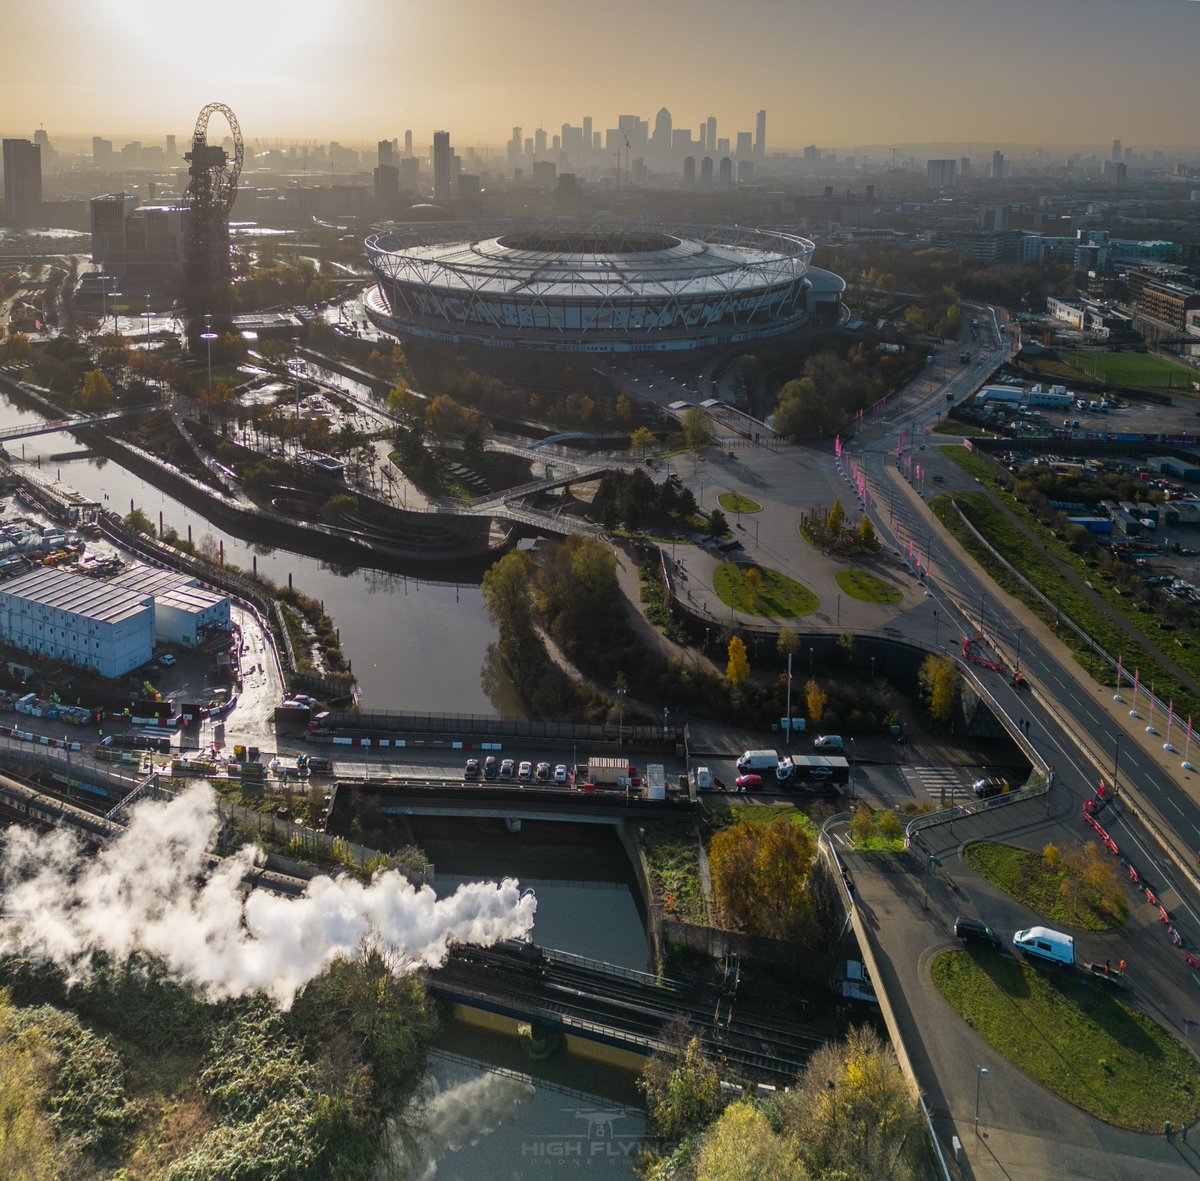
(940, 679)
(760, 875)
(742, 1146)
(642, 440)
(624, 409)
(682, 1088)
(816, 699)
(16, 348)
(137, 520)
(866, 534)
(788, 642)
(754, 583)
(443, 416)
(855, 1114)
(835, 522)
(97, 392)
(738, 668)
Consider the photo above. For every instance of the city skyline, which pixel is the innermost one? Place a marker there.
(933, 71)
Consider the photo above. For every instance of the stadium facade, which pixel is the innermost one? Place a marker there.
(595, 289)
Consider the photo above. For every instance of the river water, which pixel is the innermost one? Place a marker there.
(489, 1111)
(413, 645)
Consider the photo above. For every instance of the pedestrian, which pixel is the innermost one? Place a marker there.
(1167, 1129)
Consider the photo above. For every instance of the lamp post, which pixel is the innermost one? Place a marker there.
(839, 610)
(930, 862)
(1020, 632)
(936, 629)
(208, 336)
(872, 668)
(115, 295)
(981, 1072)
(1116, 759)
(788, 740)
(853, 762)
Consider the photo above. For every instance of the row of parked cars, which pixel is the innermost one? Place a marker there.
(508, 769)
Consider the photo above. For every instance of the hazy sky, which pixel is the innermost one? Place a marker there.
(838, 72)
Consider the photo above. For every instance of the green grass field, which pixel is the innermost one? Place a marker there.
(776, 597)
(735, 502)
(1074, 1038)
(1141, 370)
(858, 584)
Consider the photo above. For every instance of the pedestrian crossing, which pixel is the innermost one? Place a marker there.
(940, 783)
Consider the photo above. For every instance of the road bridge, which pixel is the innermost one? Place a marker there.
(622, 1007)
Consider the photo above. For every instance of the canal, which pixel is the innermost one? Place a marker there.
(487, 1110)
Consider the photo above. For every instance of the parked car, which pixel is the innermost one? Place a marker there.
(507, 768)
(471, 770)
(543, 771)
(490, 767)
(829, 742)
(166, 660)
(525, 770)
(989, 786)
(560, 773)
(748, 783)
(973, 931)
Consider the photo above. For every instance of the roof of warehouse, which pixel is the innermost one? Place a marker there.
(150, 580)
(190, 598)
(87, 597)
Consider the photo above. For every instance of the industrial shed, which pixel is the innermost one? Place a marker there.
(83, 621)
(183, 609)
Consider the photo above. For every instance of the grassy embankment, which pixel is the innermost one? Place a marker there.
(1073, 601)
(1078, 1041)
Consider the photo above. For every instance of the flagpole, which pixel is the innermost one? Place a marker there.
(1187, 746)
(1170, 722)
(1137, 674)
(1117, 695)
(1150, 728)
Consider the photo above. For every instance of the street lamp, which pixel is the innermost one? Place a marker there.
(208, 336)
(936, 629)
(1116, 759)
(981, 1072)
(930, 862)
(872, 668)
(1020, 632)
(114, 296)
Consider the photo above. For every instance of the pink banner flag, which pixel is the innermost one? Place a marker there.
(1120, 670)
(1137, 673)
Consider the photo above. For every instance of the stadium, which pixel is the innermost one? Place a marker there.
(595, 289)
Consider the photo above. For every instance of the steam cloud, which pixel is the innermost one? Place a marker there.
(151, 891)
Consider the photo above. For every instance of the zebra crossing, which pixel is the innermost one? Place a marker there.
(940, 783)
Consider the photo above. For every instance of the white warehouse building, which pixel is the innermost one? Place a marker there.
(87, 623)
(183, 609)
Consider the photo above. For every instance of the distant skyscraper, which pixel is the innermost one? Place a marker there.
(760, 135)
(539, 144)
(722, 146)
(745, 144)
(706, 174)
(939, 174)
(745, 171)
(689, 171)
(588, 142)
(386, 159)
(514, 146)
(102, 152)
(22, 182)
(726, 174)
(964, 166)
(387, 190)
(710, 138)
(171, 152)
(443, 165)
(1116, 151)
(997, 165)
(661, 140)
(408, 143)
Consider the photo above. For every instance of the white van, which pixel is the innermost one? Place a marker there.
(758, 760)
(1046, 944)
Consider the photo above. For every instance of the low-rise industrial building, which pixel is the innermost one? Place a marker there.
(184, 611)
(85, 622)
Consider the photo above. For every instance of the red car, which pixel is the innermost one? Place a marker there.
(748, 783)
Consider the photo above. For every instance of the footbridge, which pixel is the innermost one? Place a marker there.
(75, 423)
(617, 1006)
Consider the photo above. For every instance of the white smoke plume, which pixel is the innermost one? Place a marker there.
(151, 891)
